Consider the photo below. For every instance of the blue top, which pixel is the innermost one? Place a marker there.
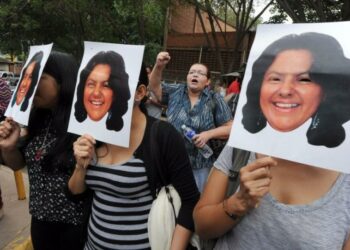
(209, 112)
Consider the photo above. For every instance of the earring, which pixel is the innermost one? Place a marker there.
(315, 122)
(259, 119)
(109, 115)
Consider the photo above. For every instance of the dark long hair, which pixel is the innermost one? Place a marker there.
(143, 80)
(329, 69)
(35, 75)
(64, 69)
(119, 83)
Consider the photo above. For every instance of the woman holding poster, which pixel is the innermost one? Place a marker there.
(279, 205)
(47, 152)
(124, 181)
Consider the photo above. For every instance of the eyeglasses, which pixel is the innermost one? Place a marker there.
(198, 72)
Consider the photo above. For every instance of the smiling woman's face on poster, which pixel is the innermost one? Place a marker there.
(103, 90)
(104, 93)
(98, 95)
(25, 83)
(297, 78)
(294, 103)
(288, 96)
(28, 82)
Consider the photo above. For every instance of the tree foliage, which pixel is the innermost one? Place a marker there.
(244, 16)
(301, 11)
(68, 23)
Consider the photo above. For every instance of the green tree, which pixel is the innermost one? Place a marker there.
(245, 19)
(14, 27)
(68, 23)
(301, 11)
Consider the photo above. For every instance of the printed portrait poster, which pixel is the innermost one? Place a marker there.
(105, 89)
(22, 98)
(295, 98)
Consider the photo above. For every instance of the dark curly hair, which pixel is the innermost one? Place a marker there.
(35, 79)
(118, 80)
(329, 69)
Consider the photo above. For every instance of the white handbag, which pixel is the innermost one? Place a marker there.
(162, 219)
(164, 211)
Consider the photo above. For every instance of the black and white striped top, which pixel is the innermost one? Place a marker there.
(121, 204)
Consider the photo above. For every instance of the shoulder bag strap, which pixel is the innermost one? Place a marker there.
(155, 152)
(155, 156)
(240, 158)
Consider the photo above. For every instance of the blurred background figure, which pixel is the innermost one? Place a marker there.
(153, 105)
(5, 96)
(235, 85)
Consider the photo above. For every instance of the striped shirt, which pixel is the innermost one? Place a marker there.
(121, 204)
(205, 115)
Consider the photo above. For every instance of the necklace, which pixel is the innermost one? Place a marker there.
(42, 149)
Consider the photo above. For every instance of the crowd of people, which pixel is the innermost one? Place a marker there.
(86, 194)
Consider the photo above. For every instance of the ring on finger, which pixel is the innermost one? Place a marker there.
(257, 204)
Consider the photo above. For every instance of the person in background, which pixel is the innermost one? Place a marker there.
(235, 85)
(219, 87)
(279, 205)
(48, 154)
(124, 181)
(153, 105)
(194, 105)
(5, 96)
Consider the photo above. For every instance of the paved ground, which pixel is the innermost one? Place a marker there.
(15, 225)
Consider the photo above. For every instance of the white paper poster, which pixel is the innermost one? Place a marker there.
(295, 98)
(104, 95)
(22, 98)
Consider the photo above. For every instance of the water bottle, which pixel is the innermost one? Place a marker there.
(206, 151)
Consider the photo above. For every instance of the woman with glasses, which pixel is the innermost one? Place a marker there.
(194, 105)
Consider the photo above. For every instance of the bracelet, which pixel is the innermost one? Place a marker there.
(231, 215)
(77, 166)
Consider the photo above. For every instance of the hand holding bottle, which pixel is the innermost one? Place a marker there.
(201, 139)
(190, 135)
